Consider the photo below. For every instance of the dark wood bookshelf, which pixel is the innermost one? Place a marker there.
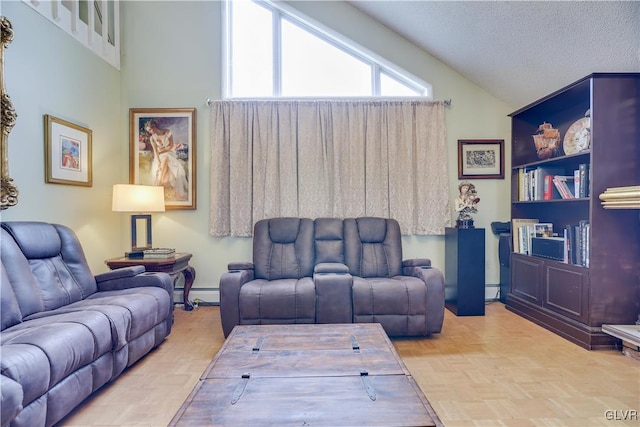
(573, 300)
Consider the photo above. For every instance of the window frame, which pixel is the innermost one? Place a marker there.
(282, 11)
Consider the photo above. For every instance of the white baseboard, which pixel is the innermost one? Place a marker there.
(206, 296)
(211, 296)
(491, 292)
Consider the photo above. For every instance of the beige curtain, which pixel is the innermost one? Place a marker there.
(328, 158)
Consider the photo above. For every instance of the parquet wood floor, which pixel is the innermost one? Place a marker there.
(493, 370)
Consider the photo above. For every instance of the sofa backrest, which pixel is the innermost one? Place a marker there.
(9, 308)
(19, 290)
(283, 248)
(329, 240)
(373, 247)
(49, 256)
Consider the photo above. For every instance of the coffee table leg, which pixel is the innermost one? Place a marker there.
(189, 274)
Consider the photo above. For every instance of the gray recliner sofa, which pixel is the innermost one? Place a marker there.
(331, 270)
(66, 333)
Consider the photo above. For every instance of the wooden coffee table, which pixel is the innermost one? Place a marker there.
(315, 375)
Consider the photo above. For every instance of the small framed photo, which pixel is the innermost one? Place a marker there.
(67, 153)
(163, 152)
(481, 159)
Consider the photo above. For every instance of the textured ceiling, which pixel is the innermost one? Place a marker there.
(519, 51)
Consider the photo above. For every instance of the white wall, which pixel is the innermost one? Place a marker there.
(171, 57)
(47, 72)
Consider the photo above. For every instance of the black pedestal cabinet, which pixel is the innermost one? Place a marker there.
(464, 271)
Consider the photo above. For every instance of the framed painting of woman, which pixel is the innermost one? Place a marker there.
(163, 153)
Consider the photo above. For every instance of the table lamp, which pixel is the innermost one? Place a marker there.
(142, 199)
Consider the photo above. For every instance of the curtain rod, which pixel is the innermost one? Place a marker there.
(446, 102)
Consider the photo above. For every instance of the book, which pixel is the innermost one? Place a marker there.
(159, 253)
(578, 244)
(622, 202)
(560, 182)
(583, 168)
(158, 256)
(629, 195)
(541, 175)
(549, 187)
(582, 236)
(516, 224)
(543, 229)
(570, 236)
(624, 189)
(576, 182)
(627, 205)
(585, 231)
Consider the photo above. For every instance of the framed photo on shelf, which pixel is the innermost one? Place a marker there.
(481, 159)
(162, 151)
(67, 153)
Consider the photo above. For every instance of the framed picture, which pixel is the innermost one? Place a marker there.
(67, 153)
(163, 152)
(481, 159)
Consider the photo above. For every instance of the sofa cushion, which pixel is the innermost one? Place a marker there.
(147, 307)
(398, 303)
(283, 248)
(41, 352)
(278, 301)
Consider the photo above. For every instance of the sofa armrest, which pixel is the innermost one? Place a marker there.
(119, 273)
(330, 267)
(416, 262)
(241, 265)
(133, 277)
(333, 284)
(230, 284)
(434, 281)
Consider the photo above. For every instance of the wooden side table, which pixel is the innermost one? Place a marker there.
(178, 264)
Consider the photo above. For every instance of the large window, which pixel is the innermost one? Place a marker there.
(270, 52)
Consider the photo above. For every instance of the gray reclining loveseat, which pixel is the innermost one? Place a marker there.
(331, 270)
(66, 333)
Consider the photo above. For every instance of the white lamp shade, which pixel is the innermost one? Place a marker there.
(137, 198)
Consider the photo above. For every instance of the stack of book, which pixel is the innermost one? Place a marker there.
(549, 183)
(621, 197)
(159, 253)
(521, 230)
(578, 237)
(570, 245)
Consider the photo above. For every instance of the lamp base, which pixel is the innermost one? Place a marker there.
(134, 232)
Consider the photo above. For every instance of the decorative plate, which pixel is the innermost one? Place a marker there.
(578, 136)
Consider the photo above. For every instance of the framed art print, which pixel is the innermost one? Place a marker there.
(163, 152)
(481, 159)
(67, 153)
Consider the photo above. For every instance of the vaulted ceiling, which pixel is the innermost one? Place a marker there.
(519, 51)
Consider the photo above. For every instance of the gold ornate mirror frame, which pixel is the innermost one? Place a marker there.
(9, 195)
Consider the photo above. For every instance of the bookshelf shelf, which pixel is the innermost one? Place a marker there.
(576, 200)
(575, 299)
